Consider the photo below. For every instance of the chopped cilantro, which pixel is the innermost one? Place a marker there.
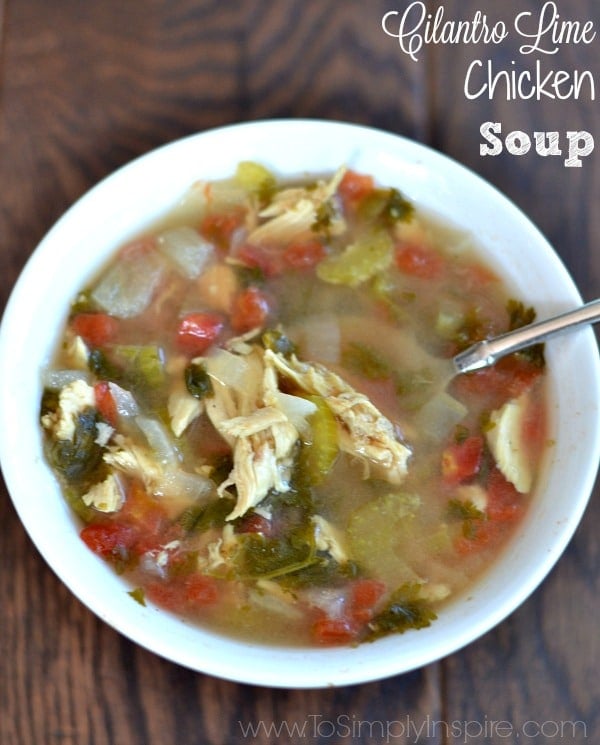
(364, 360)
(324, 216)
(138, 595)
(79, 460)
(268, 558)
(201, 518)
(386, 206)
(520, 316)
(405, 610)
(277, 341)
(197, 380)
(464, 510)
(470, 515)
(326, 572)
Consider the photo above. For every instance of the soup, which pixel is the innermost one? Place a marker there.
(251, 413)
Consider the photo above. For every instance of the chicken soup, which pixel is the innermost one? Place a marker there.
(251, 412)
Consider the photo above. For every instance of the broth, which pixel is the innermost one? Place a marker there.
(248, 411)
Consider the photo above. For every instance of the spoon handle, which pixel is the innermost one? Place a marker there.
(487, 352)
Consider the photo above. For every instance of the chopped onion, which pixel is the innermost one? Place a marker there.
(296, 409)
(192, 486)
(124, 400)
(187, 249)
(159, 440)
(331, 601)
(57, 379)
(127, 287)
(229, 369)
(271, 603)
(321, 338)
(439, 415)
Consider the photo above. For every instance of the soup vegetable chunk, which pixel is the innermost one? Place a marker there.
(249, 411)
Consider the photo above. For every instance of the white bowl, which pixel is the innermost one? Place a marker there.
(136, 194)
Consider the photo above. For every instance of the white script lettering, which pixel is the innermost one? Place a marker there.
(416, 27)
(580, 143)
(552, 31)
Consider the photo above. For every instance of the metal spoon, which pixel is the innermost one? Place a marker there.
(487, 352)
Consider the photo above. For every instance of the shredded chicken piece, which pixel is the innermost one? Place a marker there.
(261, 436)
(293, 212)
(73, 399)
(106, 496)
(274, 598)
(183, 409)
(328, 538)
(219, 552)
(77, 353)
(364, 431)
(105, 432)
(133, 460)
(249, 413)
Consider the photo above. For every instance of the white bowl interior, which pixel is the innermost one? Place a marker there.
(132, 198)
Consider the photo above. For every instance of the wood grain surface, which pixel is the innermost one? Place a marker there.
(85, 86)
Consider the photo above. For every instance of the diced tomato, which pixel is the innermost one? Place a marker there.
(354, 187)
(304, 255)
(255, 523)
(418, 261)
(270, 261)
(485, 533)
(200, 590)
(534, 426)
(219, 228)
(198, 331)
(183, 594)
(105, 403)
(109, 539)
(477, 275)
(165, 595)
(146, 516)
(138, 248)
(364, 597)
(96, 329)
(462, 460)
(508, 378)
(330, 631)
(505, 504)
(250, 310)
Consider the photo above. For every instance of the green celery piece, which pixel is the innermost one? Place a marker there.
(255, 178)
(379, 530)
(319, 455)
(360, 261)
(145, 363)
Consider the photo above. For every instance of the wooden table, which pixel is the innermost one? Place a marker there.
(87, 86)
